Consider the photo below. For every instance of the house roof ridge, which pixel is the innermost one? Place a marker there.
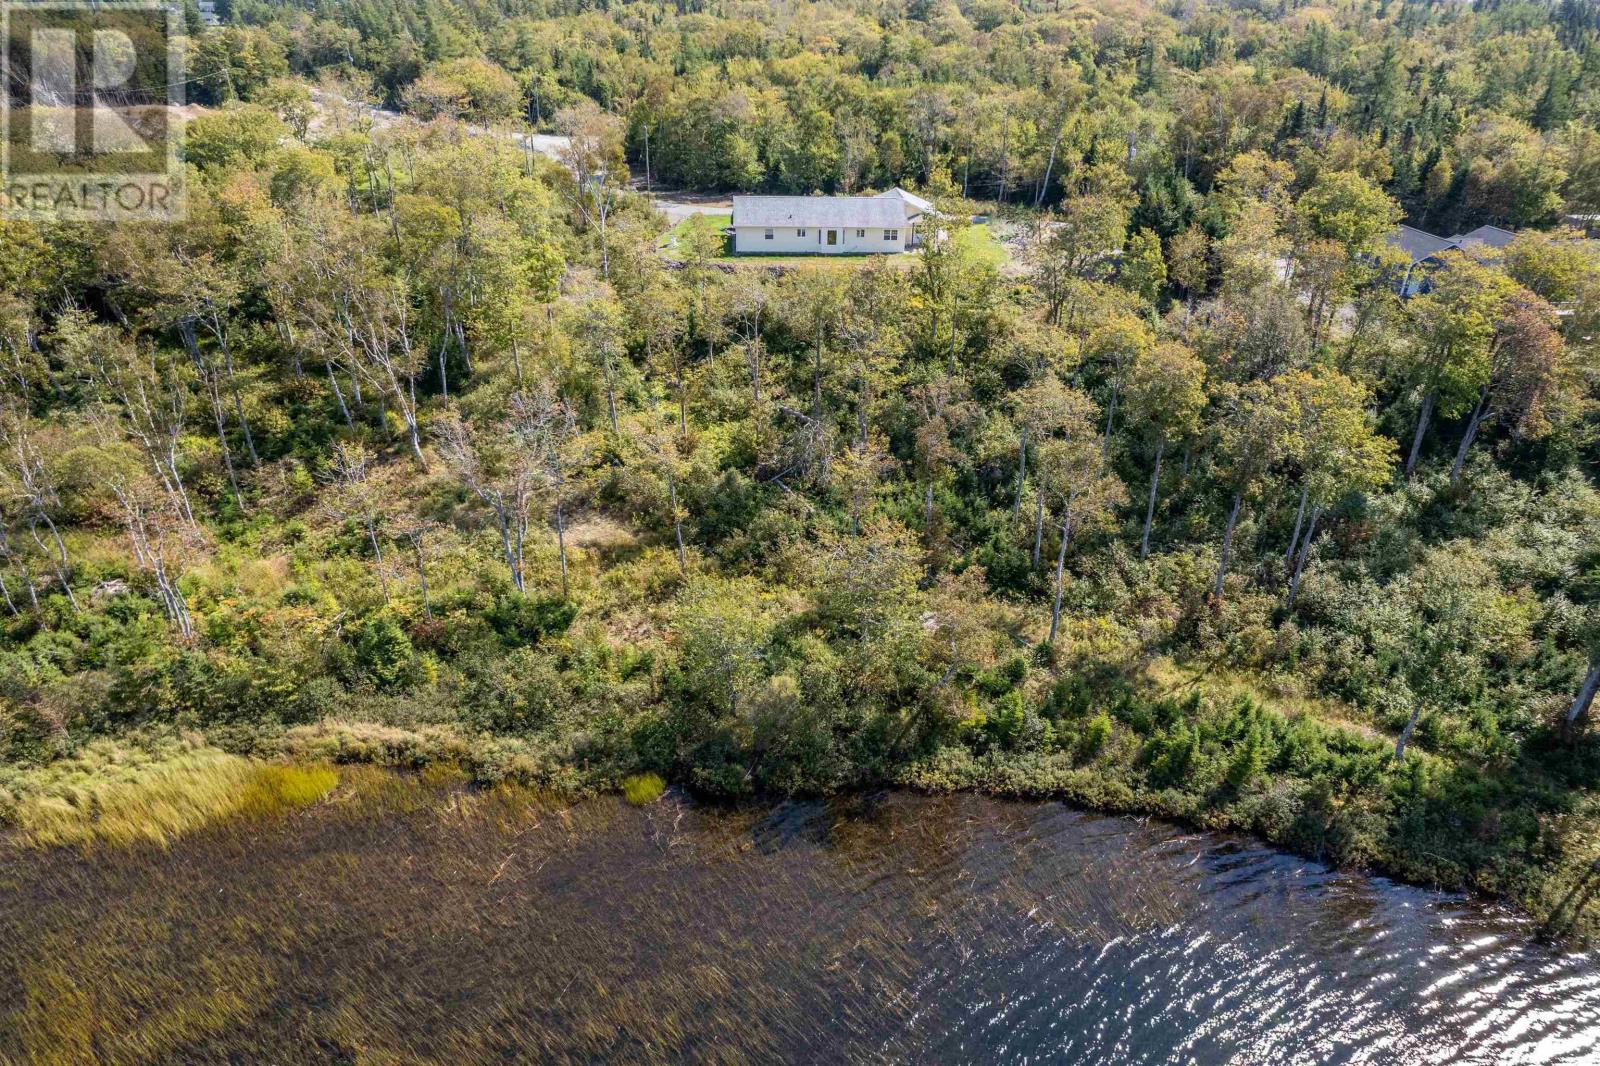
(876, 212)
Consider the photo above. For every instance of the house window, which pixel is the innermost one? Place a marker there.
(800, 232)
(768, 235)
(891, 234)
(861, 233)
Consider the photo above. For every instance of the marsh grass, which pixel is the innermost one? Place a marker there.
(144, 954)
(91, 995)
(642, 789)
(110, 794)
(405, 921)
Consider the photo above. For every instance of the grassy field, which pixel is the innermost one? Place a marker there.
(123, 794)
(669, 242)
(977, 240)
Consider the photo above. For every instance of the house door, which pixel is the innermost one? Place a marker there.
(833, 236)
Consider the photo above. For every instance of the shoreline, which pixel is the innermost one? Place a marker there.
(190, 786)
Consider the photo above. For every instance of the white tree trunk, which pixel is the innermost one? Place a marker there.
(1423, 417)
(1300, 560)
(1591, 685)
(1405, 734)
(1478, 414)
(1061, 572)
(1227, 542)
(1022, 470)
(1299, 517)
(1150, 507)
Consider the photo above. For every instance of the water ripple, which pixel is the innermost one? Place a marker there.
(886, 929)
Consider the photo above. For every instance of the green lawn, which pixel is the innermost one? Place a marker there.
(982, 244)
(670, 241)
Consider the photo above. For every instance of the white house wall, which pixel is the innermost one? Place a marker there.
(751, 240)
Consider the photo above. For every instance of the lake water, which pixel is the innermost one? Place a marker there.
(400, 923)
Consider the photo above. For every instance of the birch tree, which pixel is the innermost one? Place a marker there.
(1589, 686)
(9, 557)
(601, 337)
(1452, 328)
(663, 445)
(812, 301)
(163, 542)
(1081, 241)
(1084, 492)
(1116, 345)
(147, 386)
(190, 285)
(748, 302)
(1525, 357)
(593, 155)
(1166, 395)
(544, 432)
(1338, 450)
(1189, 264)
(363, 315)
(358, 493)
(939, 405)
(1045, 409)
(31, 485)
(1456, 618)
(500, 475)
(1253, 427)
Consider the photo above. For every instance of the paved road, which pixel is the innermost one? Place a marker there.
(678, 206)
(328, 102)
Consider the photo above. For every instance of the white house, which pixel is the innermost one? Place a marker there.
(916, 206)
(827, 225)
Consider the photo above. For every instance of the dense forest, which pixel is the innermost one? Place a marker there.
(410, 445)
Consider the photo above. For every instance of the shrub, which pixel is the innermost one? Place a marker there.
(642, 789)
(1171, 757)
(1095, 735)
(383, 652)
(523, 620)
(1248, 761)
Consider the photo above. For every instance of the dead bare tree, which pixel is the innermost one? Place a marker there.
(501, 479)
(357, 493)
(544, 428)
(31, 485)
(593, 154)
(163, 541)
(147, 388)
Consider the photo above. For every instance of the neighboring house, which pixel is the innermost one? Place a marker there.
(1588, 224)
(1424, 251)
(1484, 237)
(827, 225)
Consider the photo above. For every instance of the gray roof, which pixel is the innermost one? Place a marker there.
(1493, 236)
(911, 198)
(1419, 244)
(845, 211)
